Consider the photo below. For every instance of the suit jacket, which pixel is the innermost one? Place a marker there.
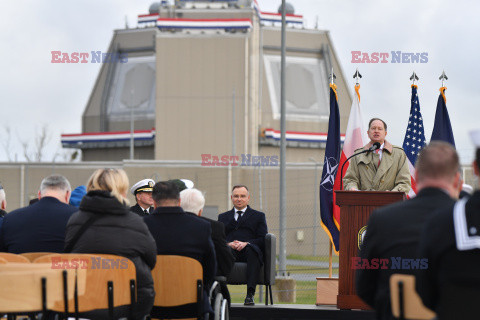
(39, 227)
(178, 233)
(138, 210)
(451, 284)
(225, 258)
(392, 174)
(394, 232)
(251, 227)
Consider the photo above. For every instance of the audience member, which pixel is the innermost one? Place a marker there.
(393, 232)
(39, 227)
(142, 190)
(192, 201)
(105, 225)
(177, 233)
(77, 195)
(246, 229)
(3, 205)
(182, 184)
(450, 241)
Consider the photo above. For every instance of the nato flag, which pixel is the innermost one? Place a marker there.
(330, 168)
(442, 129)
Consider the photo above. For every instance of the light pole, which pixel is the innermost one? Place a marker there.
(315, 196)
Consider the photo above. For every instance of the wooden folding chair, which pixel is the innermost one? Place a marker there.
(110, 281)
(405, 301)
(178, 288)
(31, 256)
(12, 257)
(30, 288)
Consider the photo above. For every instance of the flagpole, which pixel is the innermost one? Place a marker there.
(330, 253)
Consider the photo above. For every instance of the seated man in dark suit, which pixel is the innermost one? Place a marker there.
(193, 201)
(178, 233)
(393, 231)
(246, 229)
(41, 226)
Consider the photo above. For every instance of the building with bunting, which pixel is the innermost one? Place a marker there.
(190, 65)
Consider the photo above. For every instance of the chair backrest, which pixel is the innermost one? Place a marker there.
(31, 256)
(402, 286)
(175, 280)
(270, 258)
(100, 270)
(21, 288)
(12, 257)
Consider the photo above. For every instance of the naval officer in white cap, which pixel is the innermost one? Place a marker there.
(142, 190)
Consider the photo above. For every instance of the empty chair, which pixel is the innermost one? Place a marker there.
(30, 288)
(178, 286)
(12, 257)
(406, 303)
(31, 256)
(110, 285)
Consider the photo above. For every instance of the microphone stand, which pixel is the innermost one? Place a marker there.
(354, 155)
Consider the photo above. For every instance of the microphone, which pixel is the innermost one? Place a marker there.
(374, 147)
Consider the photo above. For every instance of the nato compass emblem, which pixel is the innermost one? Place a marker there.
(328, 178)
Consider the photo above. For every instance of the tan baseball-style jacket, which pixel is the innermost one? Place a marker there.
(392, 174)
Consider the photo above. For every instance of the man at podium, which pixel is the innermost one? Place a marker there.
(385, 169)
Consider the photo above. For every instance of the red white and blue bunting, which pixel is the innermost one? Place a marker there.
(169, 23)
(107, 139)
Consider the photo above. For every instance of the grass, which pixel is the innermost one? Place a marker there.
(306, 291)
(311, 258)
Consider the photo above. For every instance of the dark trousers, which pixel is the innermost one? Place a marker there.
(254, 264)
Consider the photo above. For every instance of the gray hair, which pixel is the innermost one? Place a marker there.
(55, 182)
(192, 200)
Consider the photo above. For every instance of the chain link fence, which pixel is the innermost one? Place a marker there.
(307, 244)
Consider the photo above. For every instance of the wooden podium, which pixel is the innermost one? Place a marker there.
(355, 208)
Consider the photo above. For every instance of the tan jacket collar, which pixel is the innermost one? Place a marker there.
(388, 146)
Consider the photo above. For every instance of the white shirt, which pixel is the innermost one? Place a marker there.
(380, 151)
(236, 214)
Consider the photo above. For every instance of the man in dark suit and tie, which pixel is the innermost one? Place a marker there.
(245, 229)
(178, 233)
(39, 227)
(394, 231)
(142, 190)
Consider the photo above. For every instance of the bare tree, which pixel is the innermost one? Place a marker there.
(42, 138)
(41, 141)
(6, 139)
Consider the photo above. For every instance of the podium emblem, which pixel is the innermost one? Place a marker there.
(361, 236)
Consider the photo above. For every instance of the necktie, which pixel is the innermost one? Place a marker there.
(146, 211)
(240, 213)
(379, 159)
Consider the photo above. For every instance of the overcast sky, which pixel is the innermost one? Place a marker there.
(34, 92)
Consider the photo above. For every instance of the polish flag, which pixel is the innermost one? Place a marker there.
(355, 137)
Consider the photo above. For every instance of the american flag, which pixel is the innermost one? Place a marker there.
(414, 137)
